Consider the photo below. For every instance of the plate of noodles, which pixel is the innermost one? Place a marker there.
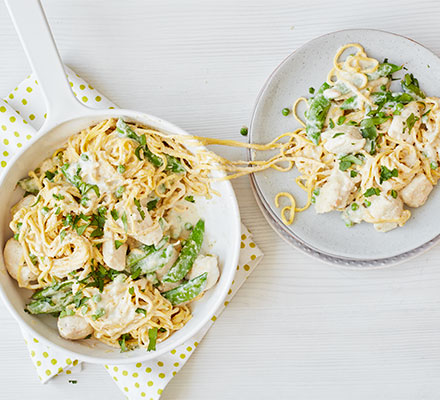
(354, 121)
(119, 238)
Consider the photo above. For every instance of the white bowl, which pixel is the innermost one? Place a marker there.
(223, 230)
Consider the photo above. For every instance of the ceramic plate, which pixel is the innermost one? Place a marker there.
(325, 236)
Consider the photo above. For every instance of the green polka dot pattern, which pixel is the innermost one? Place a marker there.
(22, 113)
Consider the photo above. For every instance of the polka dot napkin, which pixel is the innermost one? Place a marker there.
(22, 113)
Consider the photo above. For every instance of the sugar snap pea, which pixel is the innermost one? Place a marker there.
(411, 85)
(187, 291)
(188, 254)
(317, 113)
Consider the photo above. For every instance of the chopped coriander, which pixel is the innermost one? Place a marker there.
(118, 244)
(84, 201)
(122, 342)
(341, 119)
(151, 205)
(80, 229)
(68, 220)
(62, 235)
(152, 336)
(84, 157)
(316, 191)
(367, 203)
(45, 210)
(141, 212)
(426, 113)
(311, 90)
(337, 134)
(16, 236)
(124, 221)
(372, 192)
(190, 199)
(141, 311)
(49, 175)
(353, 173)
(347, 161)
(73, 381)
(97, 232)
(58, 196)
(114, 214)
(393, 194)
(354, 206)
(121, 169)
(433, 165)
(386, 174)
(244, 131)
(352, 123)
(131, 290)
(285, 111)
(331, 124)
(410, 121)
(36, 201)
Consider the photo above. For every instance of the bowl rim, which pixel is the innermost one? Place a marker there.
(228, 270)
(274, 219)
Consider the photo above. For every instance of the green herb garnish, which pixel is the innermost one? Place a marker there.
(372, 192)
(386, 174)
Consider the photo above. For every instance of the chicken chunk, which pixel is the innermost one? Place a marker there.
(417, 191)
(204, 264)
(113, 257)
(383, 210)
(74, 327)
(343, 140)
(398, 128)
(145, 230)
(335, 192)
(15, 263)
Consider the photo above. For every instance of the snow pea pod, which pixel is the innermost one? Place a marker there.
(187, 291)
(317, 113)
(188, 254)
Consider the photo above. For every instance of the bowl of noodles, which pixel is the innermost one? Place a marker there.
(120, 239)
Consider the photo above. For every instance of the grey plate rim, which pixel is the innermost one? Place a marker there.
(294, 240)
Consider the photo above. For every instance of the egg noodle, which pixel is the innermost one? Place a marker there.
(360, 146)
(63, 229)
(102, 234)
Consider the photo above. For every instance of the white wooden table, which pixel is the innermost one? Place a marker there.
(298, 329)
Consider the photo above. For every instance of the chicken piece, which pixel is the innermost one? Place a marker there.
(113, 257)
(417, 191)
(335, 192)
(16, 264)
(384, 208)
(74, 327)
(398, 128)
(144, 230)
(343, 140)
(23, 203)
(204, 264)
